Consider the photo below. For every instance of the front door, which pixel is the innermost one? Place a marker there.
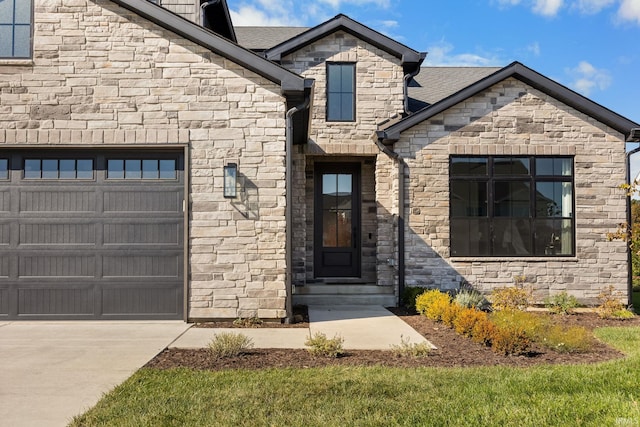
(337, 220)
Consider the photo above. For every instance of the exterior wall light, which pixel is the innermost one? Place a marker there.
(230, 180)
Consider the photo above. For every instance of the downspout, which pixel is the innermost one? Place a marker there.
(401, 213)
(630, 225)
(407, 79)
(289, 208)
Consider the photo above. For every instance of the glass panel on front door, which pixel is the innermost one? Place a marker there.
(336, 210)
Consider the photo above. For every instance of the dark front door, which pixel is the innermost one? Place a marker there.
(337, 220)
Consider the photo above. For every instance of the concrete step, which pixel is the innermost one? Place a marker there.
(342, 289)
(331, 295)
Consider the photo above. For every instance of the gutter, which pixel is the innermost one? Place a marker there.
(289, 201)
(401, 211)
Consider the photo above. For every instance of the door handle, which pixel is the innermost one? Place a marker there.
(355, 238)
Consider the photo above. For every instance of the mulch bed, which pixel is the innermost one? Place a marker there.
(453, 351)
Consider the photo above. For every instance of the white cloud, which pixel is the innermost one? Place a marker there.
(336, 4)
(630, 11)
(591, 7)
(251, 16)
(389, 24)
(534, 48)
(587, 78)
(441, 54)
(547, 7)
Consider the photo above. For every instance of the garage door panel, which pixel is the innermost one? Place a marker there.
(5, 266)
(141, 300)
(5, 233)
(132, 233)
(48, 265)
(5, 201)
(57, 234)
(142, 201)
(141, 266)
(59, 301)
(4, 302)
(57, 201)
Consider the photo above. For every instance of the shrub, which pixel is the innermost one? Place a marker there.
(467, 319)
(412, 350)
(570, 340)
(409, 295)
(449, 313)
(561, 303)
(510, 339)
(483, 331)
(610, 306)
(471, 298)
(533, 325)
(320, 345)
(249, 322)
(229, 344)
(432, 303)
(510, 298)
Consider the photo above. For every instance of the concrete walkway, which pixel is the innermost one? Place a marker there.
(52, 371)
(362, 327)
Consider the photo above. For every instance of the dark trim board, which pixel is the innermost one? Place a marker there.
(92, 248)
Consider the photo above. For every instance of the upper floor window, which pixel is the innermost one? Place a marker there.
(341, 92)
(15, 28)
(511, 206)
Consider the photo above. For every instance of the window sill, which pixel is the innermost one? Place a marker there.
(515, 259)
(18, 62)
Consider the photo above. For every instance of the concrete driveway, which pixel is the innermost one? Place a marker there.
(51, 371)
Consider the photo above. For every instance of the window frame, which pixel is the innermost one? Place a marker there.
(41, 160)
(13, 26)
(141, 160)
(535, 222)
(352, 118)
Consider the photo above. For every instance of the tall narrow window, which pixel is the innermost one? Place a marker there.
(15, 28)
(511, 206)
(341, 92)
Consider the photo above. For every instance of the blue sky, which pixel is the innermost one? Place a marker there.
(591, 46)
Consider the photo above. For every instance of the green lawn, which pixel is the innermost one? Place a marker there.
(605, 394)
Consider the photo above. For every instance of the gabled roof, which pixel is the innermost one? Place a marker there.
(436, 83)
(409, 57)
(526, 75)
(262, 38)
(290, 82)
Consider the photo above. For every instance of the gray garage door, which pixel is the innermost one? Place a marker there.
(91, 234)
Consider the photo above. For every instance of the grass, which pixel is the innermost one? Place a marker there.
(580, 395)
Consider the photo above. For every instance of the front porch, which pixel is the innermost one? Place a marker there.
(344, 239)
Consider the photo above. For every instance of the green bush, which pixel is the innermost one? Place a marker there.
(610, 306)
(561, 303)
(566, 340)
(409, 295)
(471, 298)
(510, 298)
(432, 303)
(411, 350)
(320, 345)
(229, 344)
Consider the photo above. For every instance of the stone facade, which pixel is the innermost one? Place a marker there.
(103, 76)
(379, 96)
(512, 118)
(188, 9)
